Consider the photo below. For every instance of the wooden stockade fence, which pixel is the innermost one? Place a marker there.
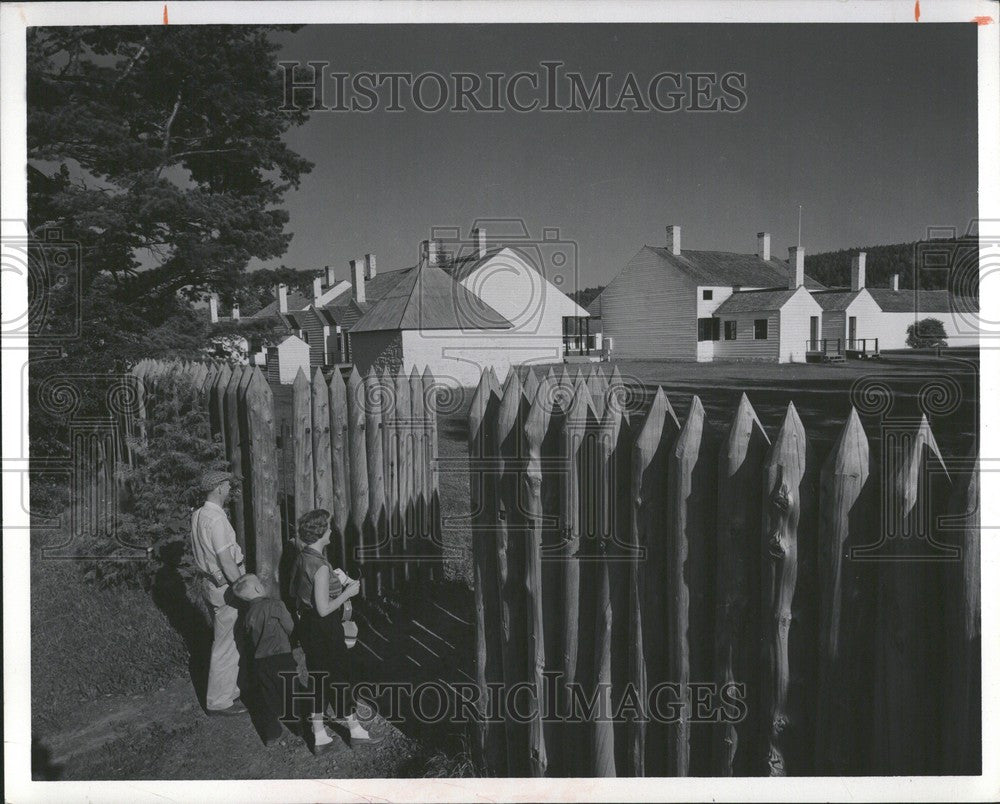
(241, 413)
(621, 554)
(365, 450)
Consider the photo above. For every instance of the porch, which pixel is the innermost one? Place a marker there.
(835, 350)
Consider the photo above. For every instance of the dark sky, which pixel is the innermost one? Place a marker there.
(872, 128)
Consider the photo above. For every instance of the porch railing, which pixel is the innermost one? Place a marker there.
(826, 346)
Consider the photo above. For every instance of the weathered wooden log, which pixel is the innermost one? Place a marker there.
(529, 385)
(358, 451)
(510, 549)
(842, 484)
(649, 513)
(645, 447)
(217, 399)
(783, 471)
(579, 420)
(376, 528)
(259, 404)
(234, 449)
(535, 429)
(489, 738)
(404, 474)
(908, 704)
(302, 444)
(605, 486)
(418, 416)
(321, 446)
(963, 720)
(431, 475)
(683, 525)
(737, 625)
(339, 461)
(390, 473)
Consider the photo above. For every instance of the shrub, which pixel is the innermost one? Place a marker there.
(926, 334)
(159, 492)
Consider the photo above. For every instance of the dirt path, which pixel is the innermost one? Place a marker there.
(167, 735)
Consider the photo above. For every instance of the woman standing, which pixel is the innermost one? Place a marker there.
(320, 596)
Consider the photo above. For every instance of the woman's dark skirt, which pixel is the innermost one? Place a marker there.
(328, 658)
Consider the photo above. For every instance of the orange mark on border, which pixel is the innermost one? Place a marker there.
(165, 20)
(916, 11)
(984, 20)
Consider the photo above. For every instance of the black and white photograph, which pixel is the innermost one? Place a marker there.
(435, 401)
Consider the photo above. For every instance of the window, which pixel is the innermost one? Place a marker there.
(706, 295)
(708, 329)
(730, 330)
(304, 335)
(760, 329)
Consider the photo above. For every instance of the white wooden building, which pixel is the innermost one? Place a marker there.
(285, 360)
(664, 303)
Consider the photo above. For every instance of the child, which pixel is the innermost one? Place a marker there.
(320, 593)
(268, 626)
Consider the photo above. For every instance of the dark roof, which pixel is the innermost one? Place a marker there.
(461, 267)
(296, 301)
(924, 301)
(751, 301)
(836, 298)
(383, 283)
(726, 268)
(426, 297)
(345, 315)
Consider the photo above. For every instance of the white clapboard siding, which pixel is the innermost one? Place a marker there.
(746, 347)
(794, 326)
(650, 311)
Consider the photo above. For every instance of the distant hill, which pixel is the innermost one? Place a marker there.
(958, 258)
(586, 296)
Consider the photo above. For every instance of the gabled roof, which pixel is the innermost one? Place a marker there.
(752, 301)
(296, 302)
(924, 301)
(426, 297)
(726, 268)
(461, 267)
(345, 315)
(836, 298)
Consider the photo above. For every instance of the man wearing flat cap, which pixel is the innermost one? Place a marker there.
(219, 560)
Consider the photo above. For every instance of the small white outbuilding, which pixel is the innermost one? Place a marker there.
(285, 360)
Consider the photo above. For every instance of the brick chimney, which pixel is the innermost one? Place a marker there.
(282, 293)
(764, 246)
(674, 239)
(331, 280)
(479, 242)
(236, 312)
(430, 250)
(369, 266)
(358, 280)
(895, 282)
(797, 262)
(317, 288)
(213, 308)
(858, 271)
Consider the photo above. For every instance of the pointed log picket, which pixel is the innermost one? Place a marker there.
(390, 474)
(232, 396)
(490, 737)
(783, 471)
(358, 451)
(433, 510)
(842, 483)
(321, 447)
(510, 548)
(404, 470)
(339, 461)
(376, 528)
(738, 583)
(264, 482)
(535, 428)
(418, 417)
(302, 444)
